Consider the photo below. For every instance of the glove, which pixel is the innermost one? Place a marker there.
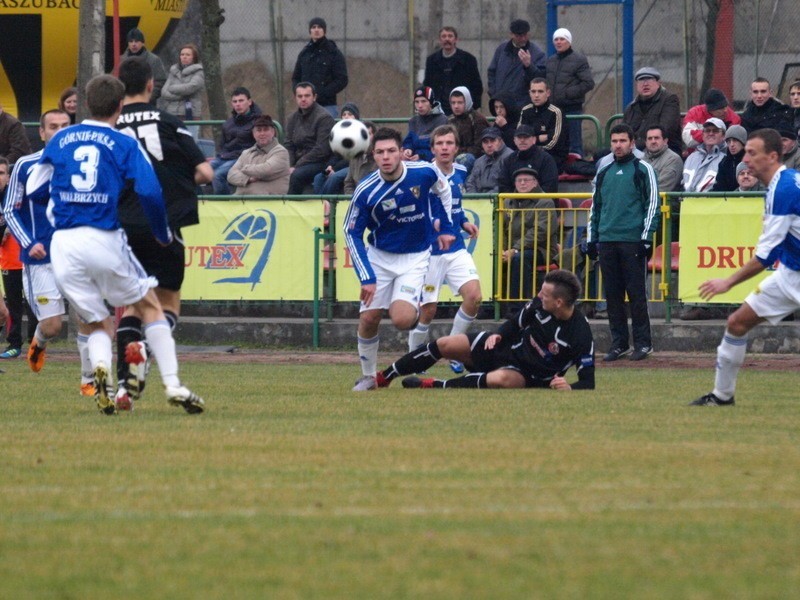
(646, 249)
(590, 249)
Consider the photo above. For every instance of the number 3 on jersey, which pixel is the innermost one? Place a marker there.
(89, 157)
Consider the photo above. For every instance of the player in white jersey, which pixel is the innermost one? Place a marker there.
(84, 168)
(403, 218)
(778, 295)
(453, 266)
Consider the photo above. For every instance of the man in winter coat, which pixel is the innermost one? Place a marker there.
(570, 79)
(469, 123)
(322, 63)
(715, 105)
(485, 176)
(514, 64)
(653, 105)
(450, 67)
(701, 167)
(547, 121)
(528, 155)
(136, 48)
(429, 115)
(264, 168)
(307, 133)
(237, 136)
(735, 139)
(667, 165)
(763, 110)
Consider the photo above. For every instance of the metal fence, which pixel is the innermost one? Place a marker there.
(385, 43)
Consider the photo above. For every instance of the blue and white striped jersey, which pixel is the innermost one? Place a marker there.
(27, 220)
(780, 236)
(398, 214)
(85, 167)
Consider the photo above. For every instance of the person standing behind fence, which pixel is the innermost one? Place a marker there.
(624, 216)
(137, 49)
(778, 295)
(569, 77)
(450, 67)
(514, 64)
(182, 94)
(322, 63)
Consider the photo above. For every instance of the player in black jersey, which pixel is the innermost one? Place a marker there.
(180, 166)
(533, 349)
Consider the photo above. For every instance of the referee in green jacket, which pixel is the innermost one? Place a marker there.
(625, 215)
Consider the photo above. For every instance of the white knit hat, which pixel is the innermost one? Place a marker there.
(562, 33)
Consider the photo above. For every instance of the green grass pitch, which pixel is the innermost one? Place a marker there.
(291, 486)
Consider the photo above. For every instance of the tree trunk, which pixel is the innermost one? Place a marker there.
(711, 47)
(212, 17)
(91, 49)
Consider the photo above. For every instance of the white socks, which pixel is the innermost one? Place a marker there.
(162, 345)
(461, 322)
(418, 336)
(98, 347)
(368, 353)
(87, 375)
(730, 356)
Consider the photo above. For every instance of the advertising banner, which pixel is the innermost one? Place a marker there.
(254, 250)
(717, 237)
(478, 212)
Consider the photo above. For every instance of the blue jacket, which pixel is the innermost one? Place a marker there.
(507, 75)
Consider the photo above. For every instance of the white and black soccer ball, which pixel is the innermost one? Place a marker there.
(349, 137)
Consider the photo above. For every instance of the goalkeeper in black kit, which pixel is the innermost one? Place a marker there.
(534, 349)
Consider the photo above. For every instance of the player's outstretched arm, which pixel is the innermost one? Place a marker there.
(712, 287)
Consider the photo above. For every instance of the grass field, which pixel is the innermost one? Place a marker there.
(291, 486)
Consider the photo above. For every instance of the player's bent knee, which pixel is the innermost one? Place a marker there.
(505, 379)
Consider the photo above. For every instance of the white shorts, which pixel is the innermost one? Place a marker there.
(91, 265)
(777, 296)
(41, 291)
(453, 268)
(398, 277)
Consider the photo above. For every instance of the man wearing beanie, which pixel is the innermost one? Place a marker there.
(791, 155)
(136, 48)
(569, 79)
(428, 115)
(322, 63)
(715, 105)
(735, 139)
(450, 67)
(514, 64)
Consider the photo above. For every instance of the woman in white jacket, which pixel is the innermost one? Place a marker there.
(182, 94)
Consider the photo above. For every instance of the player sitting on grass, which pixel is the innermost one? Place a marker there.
(535, 348)
(84, 168)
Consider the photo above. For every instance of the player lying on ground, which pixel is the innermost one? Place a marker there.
(535, 348)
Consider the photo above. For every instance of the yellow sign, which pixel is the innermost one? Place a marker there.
(717, 237)
(253, 250)
(479, 212)
(40, 50)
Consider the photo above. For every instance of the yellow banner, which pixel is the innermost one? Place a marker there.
(478, 212)
(717, 237)
(254, 250)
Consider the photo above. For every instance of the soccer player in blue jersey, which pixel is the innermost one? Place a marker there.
(779, 294)
(394, 203)
(85, 168)
(30, 226)
(454, 265)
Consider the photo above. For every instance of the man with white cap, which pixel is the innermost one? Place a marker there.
(700, 169)
(654, 105)
(570, 79)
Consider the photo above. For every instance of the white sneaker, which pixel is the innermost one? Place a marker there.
(123, 400)
(186, 399)
(365, 384)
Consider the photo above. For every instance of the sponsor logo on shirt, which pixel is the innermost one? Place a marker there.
(389, 204)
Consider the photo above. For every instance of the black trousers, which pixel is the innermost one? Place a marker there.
(15, 301)
(624, 267)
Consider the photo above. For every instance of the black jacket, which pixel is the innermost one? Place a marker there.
(443, 74)
(237, 133)
(548, 120)
(323, 64)
(773, 113)
(662, 109)
(570, 79)
(726, 172)
(535, 158)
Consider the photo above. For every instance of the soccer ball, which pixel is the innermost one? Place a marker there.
(349, 137)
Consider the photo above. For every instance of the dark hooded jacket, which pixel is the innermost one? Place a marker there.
(323, 64)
